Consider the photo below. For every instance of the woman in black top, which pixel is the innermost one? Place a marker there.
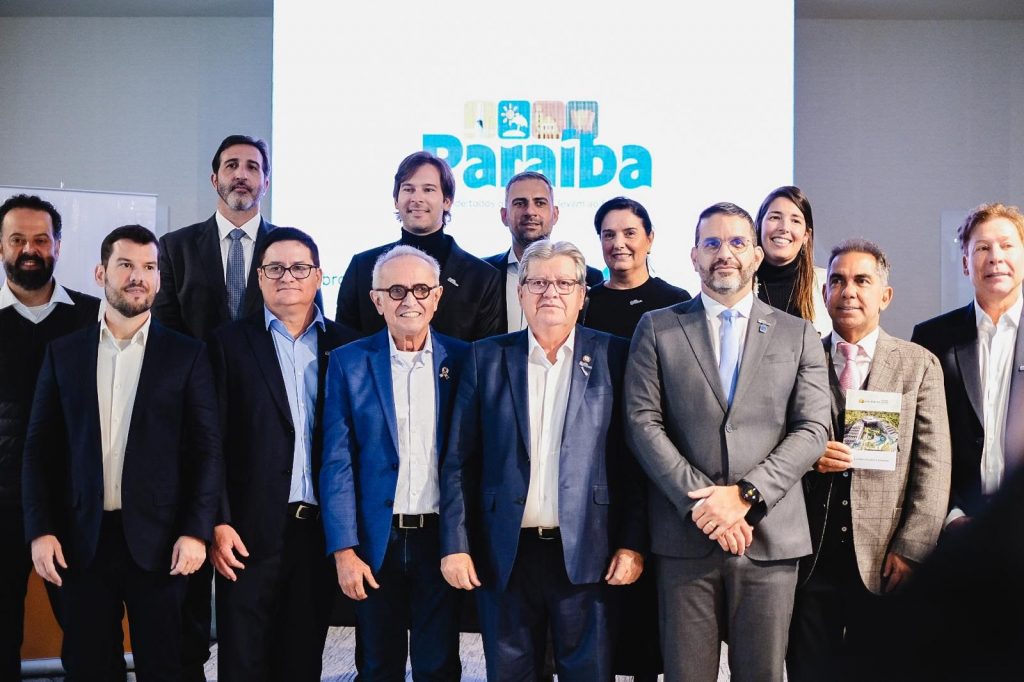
(615, 305)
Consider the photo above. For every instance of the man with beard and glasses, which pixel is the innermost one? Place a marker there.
(727, 406)
(34, 310)
(122, 470)
(529, 214)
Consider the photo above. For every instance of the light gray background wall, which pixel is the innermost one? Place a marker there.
(896, 120)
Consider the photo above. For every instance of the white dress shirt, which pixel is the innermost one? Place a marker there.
(713, 310)
(864, 356)
(251, 229)
(996, 344)
(118, 364)
(412, 381)
(548, 396)
(37, 313)
(513, 310)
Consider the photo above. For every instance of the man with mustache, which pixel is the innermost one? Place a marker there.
(122, 470)
(34, 310)
(727, 407)
(529, 214)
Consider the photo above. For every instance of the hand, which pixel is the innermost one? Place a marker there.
(352, 571)
(188, 555)
(837, 457)
(737, 538)
(222, 553)
(896, 571)
(722, 507)
(45, 549)
(459, 571)
(625, 567)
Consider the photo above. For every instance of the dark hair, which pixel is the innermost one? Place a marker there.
(985, 213)
(858, 245)
(721, 208)
(287, 234)
(529, 175)
(412, 163)
(803, 285)
(133, 233)
(232, 140)
(34, 203)
(623, 204)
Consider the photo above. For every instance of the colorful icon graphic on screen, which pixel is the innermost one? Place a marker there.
(514, 119)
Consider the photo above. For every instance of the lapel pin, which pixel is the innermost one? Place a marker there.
(762, 327)
(586, 366)
(444, 373)
(452, 280)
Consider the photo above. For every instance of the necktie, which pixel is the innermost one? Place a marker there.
(235, 273)
(729, 360)
(850, 378)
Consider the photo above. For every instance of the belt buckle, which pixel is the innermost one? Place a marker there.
(304, 511)
(546, 533)
(418, 518)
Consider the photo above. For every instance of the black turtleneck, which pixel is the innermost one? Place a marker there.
(437, 244)
(777, 285)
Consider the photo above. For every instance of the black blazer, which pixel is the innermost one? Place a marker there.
(499, 262)
(256, 423)
(173, 469)
(469, 309)
(193, 297)
(953, 338)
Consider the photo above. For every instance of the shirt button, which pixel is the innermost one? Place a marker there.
(846, 474)
(843, 529)
(845, 502)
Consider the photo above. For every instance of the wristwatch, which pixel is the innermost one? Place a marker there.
(749, 493)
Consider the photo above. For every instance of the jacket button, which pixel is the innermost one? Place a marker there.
(728, 428)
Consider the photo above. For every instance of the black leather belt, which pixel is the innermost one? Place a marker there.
(414, 521)
(303, 511)
(542, 533)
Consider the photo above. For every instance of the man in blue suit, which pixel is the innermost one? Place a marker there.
(387, 410)
(122, 471)
(542, 506)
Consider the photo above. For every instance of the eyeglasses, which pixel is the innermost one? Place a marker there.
(712, 245)
(398, 292)
(539, 286)
(298, 270)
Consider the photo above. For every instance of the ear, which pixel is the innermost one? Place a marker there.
(447, 203)
(375, 296)
(504, 216)
(967, 273)
(693, 259)
(98, 274)
(213, 181)
(56, 249)
(554, 215)
(437, 294)
(887, 294)
(758, 256)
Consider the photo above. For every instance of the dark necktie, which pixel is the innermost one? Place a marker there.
(235, 273)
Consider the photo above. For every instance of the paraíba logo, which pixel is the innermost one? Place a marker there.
(558, 139)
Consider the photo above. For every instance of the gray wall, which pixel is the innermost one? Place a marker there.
(130, 104)
(897, 121)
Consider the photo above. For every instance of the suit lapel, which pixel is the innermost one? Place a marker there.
(583, 354)
(698, 333)
(86, 369)
(516, 370)
(152, 370)
(966, 349)
(262, 344)
(838, 399)
(208, 244)
(380, 369)
(442, 387)
(754, 346)
(1013, 442)
(885, 366)
(253, 296)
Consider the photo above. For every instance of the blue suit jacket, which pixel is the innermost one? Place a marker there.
(486, 470)
(173, 471)
(359, 474)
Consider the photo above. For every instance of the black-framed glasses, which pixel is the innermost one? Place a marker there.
(539, 286)
(398, 292)
(298, 270)
(713, 245)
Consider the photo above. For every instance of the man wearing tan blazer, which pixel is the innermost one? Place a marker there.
(870, 528)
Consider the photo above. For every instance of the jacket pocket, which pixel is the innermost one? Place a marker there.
(488, 501)
(601, 494)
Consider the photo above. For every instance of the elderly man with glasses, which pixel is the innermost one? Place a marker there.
(275, 585)
(389, 404)
(542, 507)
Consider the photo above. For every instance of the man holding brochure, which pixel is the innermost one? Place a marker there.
(874, 516)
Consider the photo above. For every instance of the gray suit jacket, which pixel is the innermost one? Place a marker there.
(901, 510)
(686, 436)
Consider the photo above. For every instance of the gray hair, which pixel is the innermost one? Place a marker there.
(545, 249)
(398, 252)
(529, 175)
(858, 245)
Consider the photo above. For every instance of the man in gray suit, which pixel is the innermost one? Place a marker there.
(728, 407)
(870, 528)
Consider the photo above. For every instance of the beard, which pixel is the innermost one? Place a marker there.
(31, 280)
(728, 284)
(117, 300)
(239, 202)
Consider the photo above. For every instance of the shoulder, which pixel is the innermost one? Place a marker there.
(336, 334)
(451, 345)
(76, 340)
(669, 291)
(953, 319)
(497, 261)
(470, 263)
(370, 256)
(911, 352)
(83, 299)
(594, 276)
(170, 339)
(185, 235)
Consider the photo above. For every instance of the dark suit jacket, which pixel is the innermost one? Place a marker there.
(499, 262)
(485, 475)
(193, 297)
(468, 310)
(360, 473)
(953, 338)
(256, 423)
(173, 470)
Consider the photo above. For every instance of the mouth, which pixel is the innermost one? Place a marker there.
(30, 264)
(135, 290)
(780, 240)
(410, 314)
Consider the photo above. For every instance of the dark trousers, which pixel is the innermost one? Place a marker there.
(514, 622)
(413, 597)
(196, 616)
(94, 600)
(14, 570)
(272, 622)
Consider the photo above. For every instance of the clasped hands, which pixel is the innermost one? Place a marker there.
(720, 513)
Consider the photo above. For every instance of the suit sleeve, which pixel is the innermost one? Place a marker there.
(808, 416)
(459, 474)
(347, 312)
(218, 362)
(204, 460)
(667, 468)
(45, 460)
(490, 311)
(632, 532)
(166, 306)
(337, 476)
(927, 495)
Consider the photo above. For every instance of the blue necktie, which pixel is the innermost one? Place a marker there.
(235, 273)
(729, 360)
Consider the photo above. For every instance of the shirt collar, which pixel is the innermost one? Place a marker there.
(139, 337)
(7, 297)
(535, 348)
(251, 227)
(269, 320)
(428, 347)
(713, 308)
(867, 344)
(1011, 316)
(512, 260)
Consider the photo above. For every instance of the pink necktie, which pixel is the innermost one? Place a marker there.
(850, 378)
